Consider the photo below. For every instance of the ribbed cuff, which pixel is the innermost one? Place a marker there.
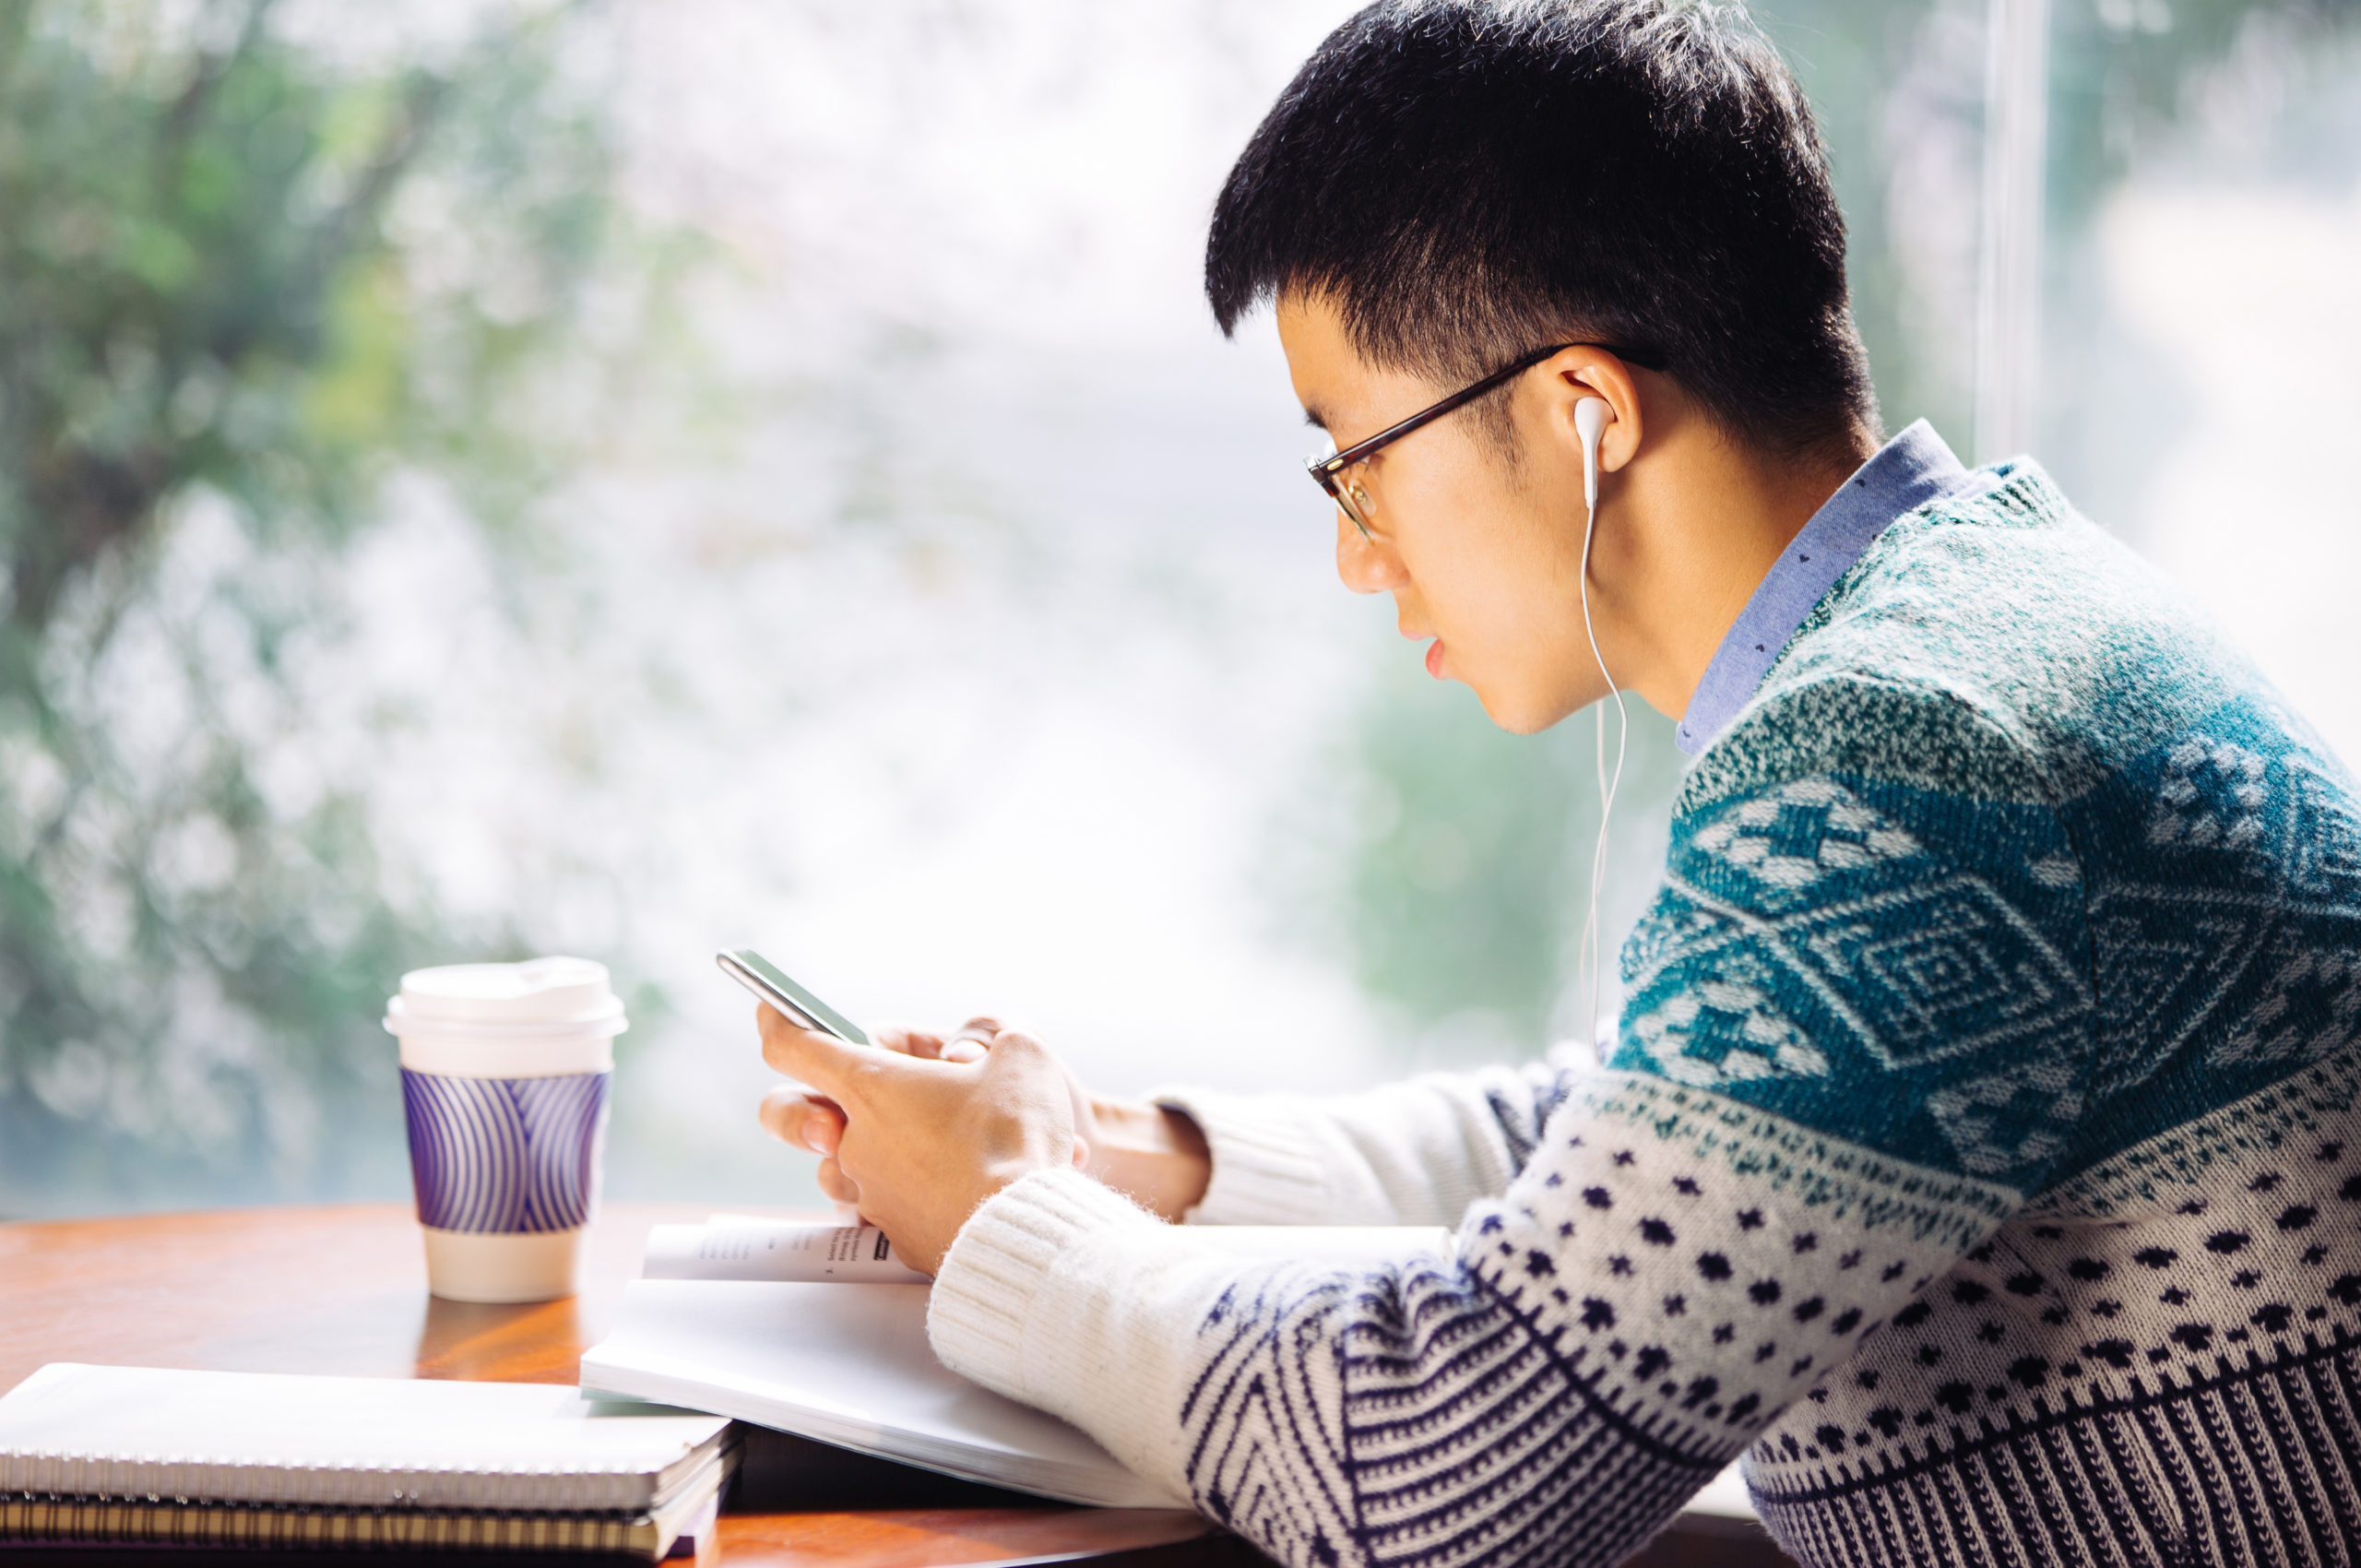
(1002, 1258)
(1265, 1167)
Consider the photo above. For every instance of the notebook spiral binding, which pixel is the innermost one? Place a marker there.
(29, 1517)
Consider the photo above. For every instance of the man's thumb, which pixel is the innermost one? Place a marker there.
(822, 1060)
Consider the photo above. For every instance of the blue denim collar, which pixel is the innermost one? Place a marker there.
(1908, 472)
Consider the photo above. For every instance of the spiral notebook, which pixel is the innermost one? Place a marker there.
(93, 1452)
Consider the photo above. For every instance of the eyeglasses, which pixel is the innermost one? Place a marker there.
(1332, 473)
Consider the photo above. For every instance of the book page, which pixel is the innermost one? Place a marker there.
(850, 1367)
(780, 1251)
(745, 1247)
(853, 1367)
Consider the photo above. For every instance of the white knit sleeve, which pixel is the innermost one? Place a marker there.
(1061, 1293)
(1413, 1153)
(1669, 1272)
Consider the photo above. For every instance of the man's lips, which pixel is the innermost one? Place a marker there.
(1434, 659)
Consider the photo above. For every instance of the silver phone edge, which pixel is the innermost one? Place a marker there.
(764, 991)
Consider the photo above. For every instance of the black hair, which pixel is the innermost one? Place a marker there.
(1469, 179)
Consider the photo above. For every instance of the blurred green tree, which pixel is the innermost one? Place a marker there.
(245, 281)
(1469, 876)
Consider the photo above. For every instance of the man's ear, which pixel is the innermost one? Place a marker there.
(1584, 372)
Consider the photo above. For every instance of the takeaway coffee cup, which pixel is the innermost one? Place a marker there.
(505, 1074)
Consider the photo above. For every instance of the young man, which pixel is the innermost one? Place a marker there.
(1979, 1151)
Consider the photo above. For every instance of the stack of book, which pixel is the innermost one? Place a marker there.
(109, 1455)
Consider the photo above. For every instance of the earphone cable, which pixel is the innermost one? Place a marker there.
(1588, 960)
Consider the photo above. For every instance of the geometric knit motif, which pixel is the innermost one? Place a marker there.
(2159, 1362)
(1981, 1150)
(1512, 1410)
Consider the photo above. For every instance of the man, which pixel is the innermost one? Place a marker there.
(1979, 1149)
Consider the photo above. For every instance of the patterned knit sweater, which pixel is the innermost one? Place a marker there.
(1980, 1154)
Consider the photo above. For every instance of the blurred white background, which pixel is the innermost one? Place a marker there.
(946, 613)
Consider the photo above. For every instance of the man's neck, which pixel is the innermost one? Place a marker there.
(1702, 521)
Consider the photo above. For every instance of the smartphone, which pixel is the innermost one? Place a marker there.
(769, 981)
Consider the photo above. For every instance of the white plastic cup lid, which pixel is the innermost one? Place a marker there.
(539, 995)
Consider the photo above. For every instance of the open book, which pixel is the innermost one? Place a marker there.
(819, 1330)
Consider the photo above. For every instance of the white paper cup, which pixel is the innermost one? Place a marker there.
(505, 1076)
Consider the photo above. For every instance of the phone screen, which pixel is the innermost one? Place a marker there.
(771, 983)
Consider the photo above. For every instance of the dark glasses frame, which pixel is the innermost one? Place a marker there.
(1328, 472)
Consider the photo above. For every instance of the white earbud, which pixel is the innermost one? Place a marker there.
(1590, 422)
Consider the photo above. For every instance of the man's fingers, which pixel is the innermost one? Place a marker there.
(1014, 1041)
(972, 1041)
(804, 1120)
(835, 1187)
(924, 1044)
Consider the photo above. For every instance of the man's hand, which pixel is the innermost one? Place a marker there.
(919, 1141)
(1155, 1155)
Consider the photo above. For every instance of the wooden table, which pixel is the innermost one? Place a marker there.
(343, 1290)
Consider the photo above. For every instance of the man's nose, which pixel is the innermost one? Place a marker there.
(1362, 565)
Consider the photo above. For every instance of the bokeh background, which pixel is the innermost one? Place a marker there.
(483, 479)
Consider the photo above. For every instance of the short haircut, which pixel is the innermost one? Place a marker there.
(1470, 180)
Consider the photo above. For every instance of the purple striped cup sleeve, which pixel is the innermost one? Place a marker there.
(504, 1155)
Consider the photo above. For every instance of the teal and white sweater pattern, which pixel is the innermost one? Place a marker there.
(1980, 1154)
